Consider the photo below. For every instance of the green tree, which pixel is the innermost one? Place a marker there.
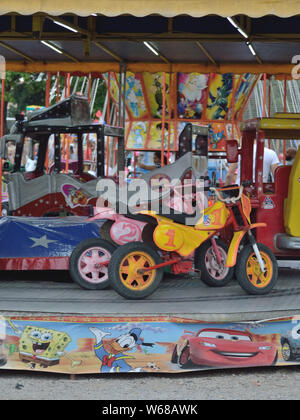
(22, 89)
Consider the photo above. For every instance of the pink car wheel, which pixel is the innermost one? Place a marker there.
(89, 263)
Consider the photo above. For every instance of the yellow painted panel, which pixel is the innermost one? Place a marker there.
(279, 123)
(233, 249)
(292, 115)
(292, 203)
(214, 217)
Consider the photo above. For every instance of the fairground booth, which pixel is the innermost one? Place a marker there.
(150, 200)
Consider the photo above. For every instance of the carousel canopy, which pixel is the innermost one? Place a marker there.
(193, 35)
(168, 8)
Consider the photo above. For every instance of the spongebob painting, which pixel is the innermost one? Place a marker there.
(42, 346)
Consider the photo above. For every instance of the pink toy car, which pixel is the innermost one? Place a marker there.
(89, 260)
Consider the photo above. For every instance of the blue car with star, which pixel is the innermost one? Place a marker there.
(43, 243)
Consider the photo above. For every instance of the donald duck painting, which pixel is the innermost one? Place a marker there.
(112, 353)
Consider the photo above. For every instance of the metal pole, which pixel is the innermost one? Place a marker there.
(124, 94)
(87, 152)
(47, 97)
(120, 95)
(47, 103)
(1, 133)
(121, 140)
(68, 135)
(108, 123)
(163, 122)
(265, 95)
(284, 110)
(57, 87)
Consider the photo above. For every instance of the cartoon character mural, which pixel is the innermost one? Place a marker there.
(216, 137)
(74, 196)
(191, 94)
(111, 79)
(134, 96)
(219, 93)
(224, 348)
(42, 346)
(290, 344)
(154, 89)
(155, 135)
(112, 353)
(246, 81)
(116, 345)
(137, 135)
(3, 356)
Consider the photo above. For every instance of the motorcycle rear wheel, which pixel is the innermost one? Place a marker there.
(213, 274)
(123, 269)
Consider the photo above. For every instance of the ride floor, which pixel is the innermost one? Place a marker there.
(53, 292)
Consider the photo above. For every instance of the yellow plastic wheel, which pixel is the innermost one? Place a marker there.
(128, 270)
(249, 274)
(131, 270)
(255, 276)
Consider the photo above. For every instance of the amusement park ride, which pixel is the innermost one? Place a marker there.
(40, 242)
(38, 194)
(136, 269)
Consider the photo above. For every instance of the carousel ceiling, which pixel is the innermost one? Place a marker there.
(97, 43)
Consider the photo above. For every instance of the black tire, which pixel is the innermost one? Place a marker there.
(105, 231)
(275, 359)
(91, 281)
(133, 290)
(174, 357)
(3, 361)
(287, 352)
(184, 359)
(211, 273)
(246, 277)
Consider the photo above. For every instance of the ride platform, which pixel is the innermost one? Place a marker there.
(53, 292)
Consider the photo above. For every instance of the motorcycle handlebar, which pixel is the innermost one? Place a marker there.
(228, 200)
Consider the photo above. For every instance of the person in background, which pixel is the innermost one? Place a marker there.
(156, 162)
(72, 153)
(290, 155)
(271, 162)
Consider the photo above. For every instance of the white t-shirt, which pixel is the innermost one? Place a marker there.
(270, 158)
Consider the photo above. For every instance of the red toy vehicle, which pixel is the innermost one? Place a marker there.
(275, 203)
(217, 347)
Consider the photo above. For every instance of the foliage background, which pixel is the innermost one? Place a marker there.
(24, 89)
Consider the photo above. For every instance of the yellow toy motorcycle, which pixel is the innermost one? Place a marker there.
(136, 269)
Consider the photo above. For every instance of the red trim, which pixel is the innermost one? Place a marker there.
(154, 267)
(37, 263)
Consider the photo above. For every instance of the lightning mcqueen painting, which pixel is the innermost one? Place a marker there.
(216, 347)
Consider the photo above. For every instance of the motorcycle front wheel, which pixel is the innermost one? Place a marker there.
(249, 274)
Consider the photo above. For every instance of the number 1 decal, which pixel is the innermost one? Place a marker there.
(171, 235)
